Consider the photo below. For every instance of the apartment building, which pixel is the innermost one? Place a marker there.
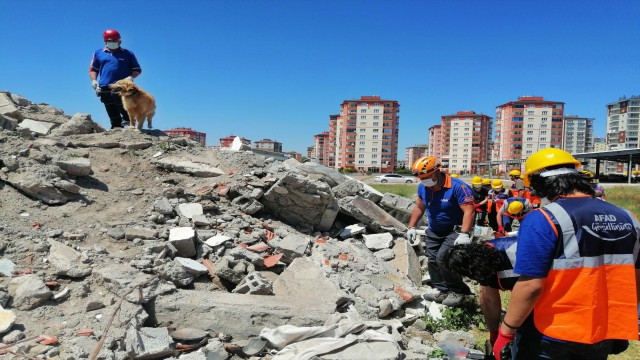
(435, 141)
(599, 144)
(268, 145)
(320, 153)
(526, 125)
(364, 136)
(466, 138)
(577, 134)
(189, 134)
(415, 152)
(623, 117)
(622, 123)
(294, 155)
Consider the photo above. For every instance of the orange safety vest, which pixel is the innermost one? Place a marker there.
(587, 299)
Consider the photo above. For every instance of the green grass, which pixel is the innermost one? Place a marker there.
(409, 191)
(627, 197)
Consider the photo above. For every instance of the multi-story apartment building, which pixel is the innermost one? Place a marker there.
(577, 134)
(525, 126)
(415, 152)
(623, 117)
(599, 144)
(320, 153)
(466, 138)
(435, 141)
(294, 155)
(226, 142)
(189, 134)
(366, 134)
(268, 145)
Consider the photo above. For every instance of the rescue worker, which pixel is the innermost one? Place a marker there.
(479, 200)
(486, 184)
(513, 208)
(108, 65)
(497, 195)
(455, 176)
(448, 202)
(517, 185)
(577, 258)
(491, 264)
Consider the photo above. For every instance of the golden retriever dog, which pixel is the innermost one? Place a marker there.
(140, 105)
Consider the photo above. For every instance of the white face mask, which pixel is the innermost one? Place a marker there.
(429, 182)
(113, 45)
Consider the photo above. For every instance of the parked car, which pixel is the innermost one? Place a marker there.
(395, 178)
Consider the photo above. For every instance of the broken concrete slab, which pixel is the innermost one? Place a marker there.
(353, 187)
(75, 166)
(352, 230)
(291, 246)
(182, 238)
(239, 315)
(188, 167)
(371, 215)
(40, 127)
(378, 241)
(191, 266)
(7, 267)
(399, 207)
(305, 278)
(163, 206)
(147, 341)
(406, 261)
(66, 261)
(302, 202)
(247, 204)
(8, 107)
(217, 240)
(189, 210)
(141, 233)
(28, 292)
(254, 283)
(120, 278)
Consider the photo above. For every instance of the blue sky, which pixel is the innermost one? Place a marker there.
(278, 69)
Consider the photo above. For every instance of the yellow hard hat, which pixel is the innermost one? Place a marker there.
(425, 165)
(514, 173)
(496, 184)
(486, 181)
(546, 158)
(455, 175)
(476, 180)
(515, 207)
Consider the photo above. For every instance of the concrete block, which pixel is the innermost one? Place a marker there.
(254, 283)
(291, 246)
(189, 210)
(378, 241)
(182, 238)
(371, 215)
(147, 341)
(406, 261)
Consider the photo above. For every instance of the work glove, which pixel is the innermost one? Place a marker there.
(501, 229)
(501, 341)
(95, 85)
(411, 235)
(462, 239)
(130, 78)
(493, 336)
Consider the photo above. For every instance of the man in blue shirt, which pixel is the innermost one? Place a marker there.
(108, 65)
(448, 203)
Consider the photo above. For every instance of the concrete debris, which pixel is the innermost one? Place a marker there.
(7, 319)
(28, 292)
(378, 241)
(67, 262)
(220, 244)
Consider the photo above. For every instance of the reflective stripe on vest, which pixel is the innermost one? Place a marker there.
(588, 299)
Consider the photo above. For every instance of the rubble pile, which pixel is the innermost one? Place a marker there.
(128, 244)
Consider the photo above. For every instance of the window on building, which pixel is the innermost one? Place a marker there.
(375, 136)
(530, 112)
(543, 132)
(376, 124)
(360, 162)
(529, 139)
(361, 149)
(363, 124)
(374, 149)
(376, 130)
(376, 111)
(361, 137)
(363, 111)
(363, 117)
(529, 132)
(374, 156)
(545, 113)
(543, 139)
(363, 130)
(362, 142)
(361, 156)
(529, 125)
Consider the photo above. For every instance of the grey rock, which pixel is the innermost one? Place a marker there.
(188, 167)
(119, 279)
(147, 341)
(13, 336)
(7, 319)
(378, 241)
(28, 292)
(189, 210)
(406, 261)
(176, 273)
(182, 238)
(163, 206)
(191, 266)
(8, 123)
(8, 107)
(374, 350)
(291, 246)
(116, 233)
(75, 166)
(39, 127)
(78, 124)
(371, 215)
(66, 261)
(399, 207)
(6, 267)
(352, 230)
(385, 254)
(141, 233)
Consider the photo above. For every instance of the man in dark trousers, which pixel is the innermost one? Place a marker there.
(108, 65)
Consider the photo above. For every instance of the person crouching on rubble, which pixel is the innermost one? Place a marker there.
(491, 264)
(514, 208)
(577, 257)
(448, 203)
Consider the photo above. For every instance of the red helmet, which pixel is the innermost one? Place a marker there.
(111, 35)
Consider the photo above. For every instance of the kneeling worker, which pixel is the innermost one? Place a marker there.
(514, 208)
